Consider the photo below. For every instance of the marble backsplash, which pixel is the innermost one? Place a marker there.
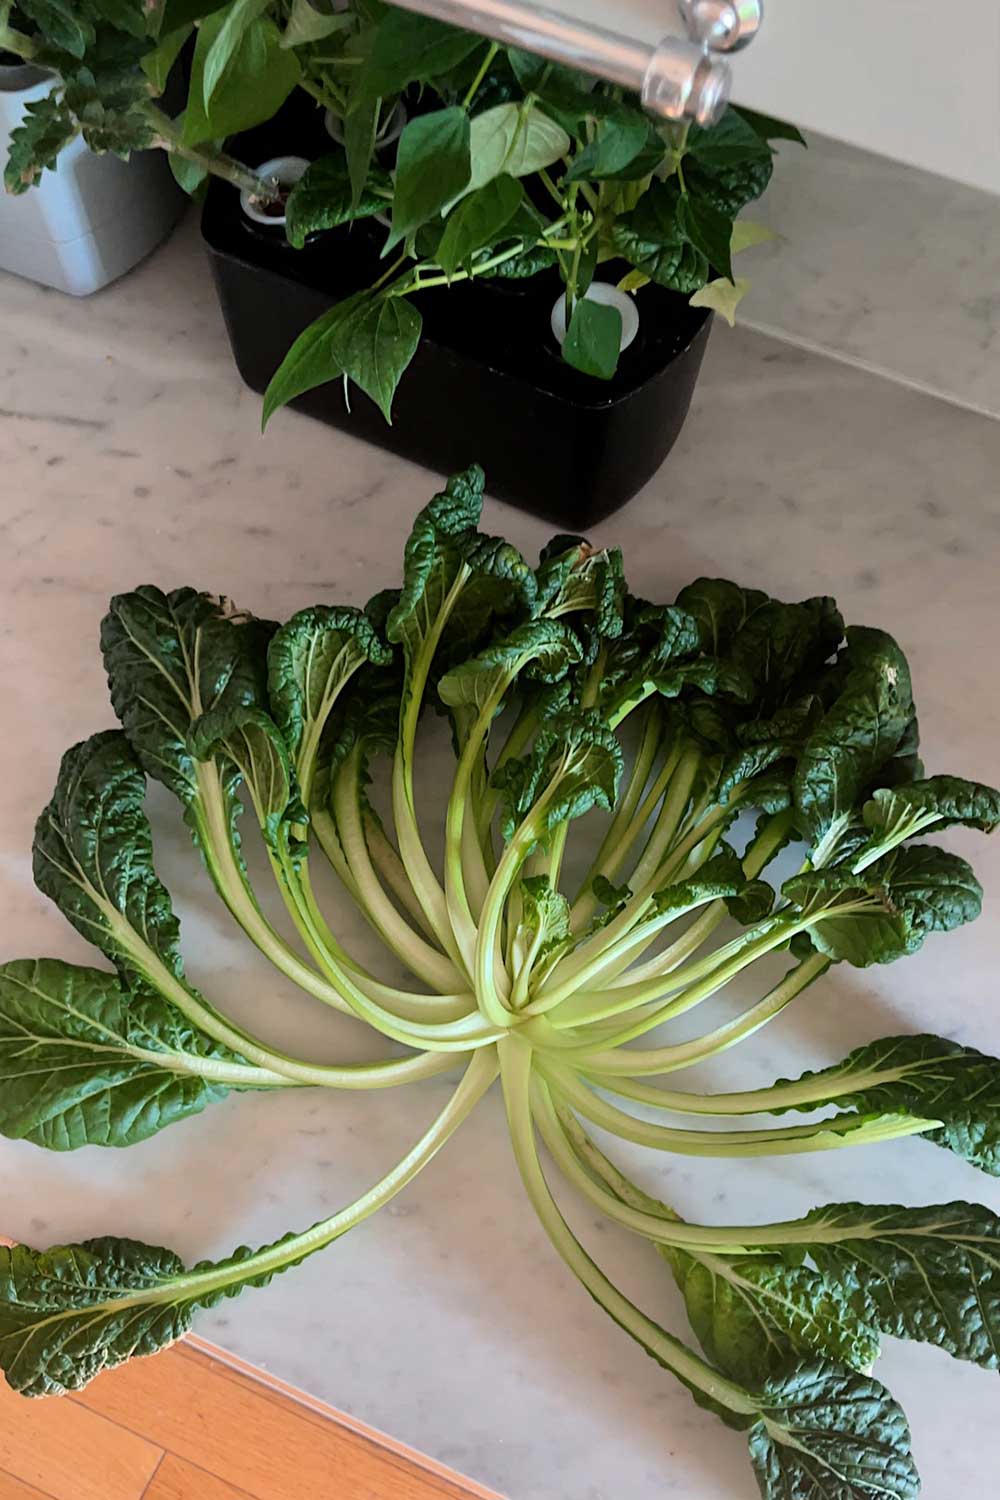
(881, 264)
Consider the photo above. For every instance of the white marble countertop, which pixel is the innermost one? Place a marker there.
(129, 452)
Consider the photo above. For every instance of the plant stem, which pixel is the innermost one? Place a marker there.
(515, 1072)
(217, 163)
(487, 63)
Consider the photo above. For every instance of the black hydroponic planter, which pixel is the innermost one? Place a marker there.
(487, 384)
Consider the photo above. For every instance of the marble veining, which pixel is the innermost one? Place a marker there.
(892, 268)
(129, 452)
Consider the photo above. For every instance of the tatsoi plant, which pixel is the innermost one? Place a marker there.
(565, 695)
(508, 166)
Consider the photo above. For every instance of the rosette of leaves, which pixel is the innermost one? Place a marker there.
(566, 696)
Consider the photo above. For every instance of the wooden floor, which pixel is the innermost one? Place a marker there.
(189, 1425)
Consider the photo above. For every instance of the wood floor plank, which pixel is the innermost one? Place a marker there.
(257, 1440)
(16, 1489)
(177, 1480)
(71, 1453)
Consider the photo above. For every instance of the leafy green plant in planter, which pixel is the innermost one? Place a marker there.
(508, 166)
(670, 720)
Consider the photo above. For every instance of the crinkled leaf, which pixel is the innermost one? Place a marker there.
(859, 733)
(169, 659)
(576, 760)
(70, 1312)
(248, 740)
(727, 164)
(323, 198)
(756, 1316)
(93, 853)
(543, 649)
(918, 1075)
(86, 1063)
(897, 813)
(778, 642)
(719, 609)
(653, 239)
(929, 1274)
(309, 661)
(831, 1434)
(573, 577)
(545, 914)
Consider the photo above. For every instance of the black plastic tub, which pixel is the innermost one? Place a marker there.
(487, 384)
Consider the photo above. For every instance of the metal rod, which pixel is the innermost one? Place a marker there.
(676, 79)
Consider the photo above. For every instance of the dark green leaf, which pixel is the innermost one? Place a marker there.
(258, 79)
(575, 758)
(247, 740)
(411, 48)
(93, 855)
(720, 609)
(768, 129)
(477, 221)
(573, 578)
(542, 649)
(918, 1075)
(323, 198)
(70, 1312)
(175, 13)
(653, 239)
(859, 733)
(756, 1316)
(360, 125)
(370, 339)
(169, 659)
(929, 1274)
(238, 18)
(432, 168)
(829, 1434)
(593, 338)
(86, 1063)
(60, 24)
(617, 141)
(709, 230)
(897, 813)
(727, 164)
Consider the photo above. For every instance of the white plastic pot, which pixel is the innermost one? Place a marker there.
(610, 296)
(287, 170)
(391, 130)
(89, 221)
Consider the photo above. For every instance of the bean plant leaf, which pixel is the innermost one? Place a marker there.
(617, 141)
(477, 220)
(323, 198)
(919, 1075)
(654, 240)
(159, 64)
(515, 140)
(370, 339)
(306, 24)
(238, 18)
(593, 338)
(432, 168)
(831, 1434)
(259, 76)
(710, 231)
(727, 165)
(87, 1063)
(61, 23)
(411, 48)
(770, 129)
